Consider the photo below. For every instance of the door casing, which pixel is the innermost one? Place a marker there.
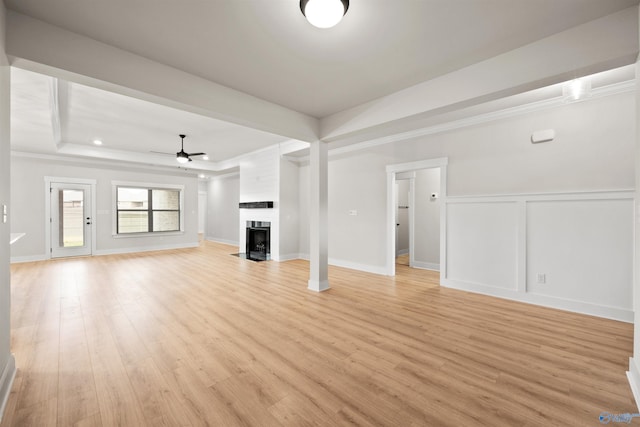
(70, 182)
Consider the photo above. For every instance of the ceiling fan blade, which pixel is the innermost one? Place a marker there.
(161, 152)
(196, 154)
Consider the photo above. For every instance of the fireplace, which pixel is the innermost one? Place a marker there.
(258, 240)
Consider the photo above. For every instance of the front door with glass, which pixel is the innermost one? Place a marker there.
(71, 220)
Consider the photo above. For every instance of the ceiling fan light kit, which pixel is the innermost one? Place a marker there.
(184, 157)
(324, 13)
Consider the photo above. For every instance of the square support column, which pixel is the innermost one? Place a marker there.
(318, 218)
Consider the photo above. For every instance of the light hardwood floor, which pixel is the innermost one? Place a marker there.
(200, 337)
(402, 260)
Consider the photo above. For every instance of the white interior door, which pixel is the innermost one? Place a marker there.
(71, 220)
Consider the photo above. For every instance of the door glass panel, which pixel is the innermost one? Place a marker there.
(71, 227)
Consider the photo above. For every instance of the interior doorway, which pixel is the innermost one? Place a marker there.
(404, 221)
(70, 217)
(415, 209)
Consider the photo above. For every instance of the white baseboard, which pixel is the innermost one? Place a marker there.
(633, 375)
(6, 381)
(318, 286)
(29, 258)
(223, 241)
(352, 265)
(426, 265)
(33, 258)
(145, 249)
(402, 252)
(289, 257)
(615, 313)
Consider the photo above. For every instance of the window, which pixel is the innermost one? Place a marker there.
(147, 209)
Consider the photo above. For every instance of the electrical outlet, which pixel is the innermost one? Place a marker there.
(542, 278)
(353, 212)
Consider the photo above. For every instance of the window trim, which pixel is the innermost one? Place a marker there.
(145, 186)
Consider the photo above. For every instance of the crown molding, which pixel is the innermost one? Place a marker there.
(601, 92)
(225, 176)
(79, 154)
(107, 164)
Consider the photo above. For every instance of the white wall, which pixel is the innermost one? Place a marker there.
(7, 362)
(202, 211)
(203, 186)
(427, 219)
(288, 206)
(593, 151)
(223, 214)
(29, 200)
(304, 185)
(357, 183)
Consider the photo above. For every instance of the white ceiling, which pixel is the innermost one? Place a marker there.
(265, 48)
(123, 123)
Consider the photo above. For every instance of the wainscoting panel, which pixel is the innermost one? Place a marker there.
(482, 243)
(581, 250)
(571, 251)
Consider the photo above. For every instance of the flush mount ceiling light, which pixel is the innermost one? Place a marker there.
(324, 13)
(576, 90)
(97, 142)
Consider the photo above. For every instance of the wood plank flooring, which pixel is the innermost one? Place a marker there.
(198, 337)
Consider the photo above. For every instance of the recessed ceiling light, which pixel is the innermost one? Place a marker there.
(97, 142)
(201, 175)
(205, 157)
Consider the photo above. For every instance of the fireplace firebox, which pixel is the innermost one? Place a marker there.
(258, 240)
